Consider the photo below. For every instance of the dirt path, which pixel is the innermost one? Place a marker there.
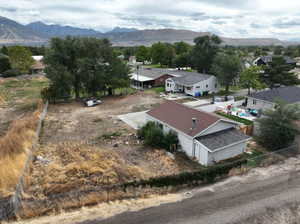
(255, 182)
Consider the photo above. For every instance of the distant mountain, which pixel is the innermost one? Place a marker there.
(122, 30)
(35, 33)
(13, 32)
(148, 37)
(50, 31)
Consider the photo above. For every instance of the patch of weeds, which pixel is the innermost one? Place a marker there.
(255, 158)
(98, 120)
(111, 135)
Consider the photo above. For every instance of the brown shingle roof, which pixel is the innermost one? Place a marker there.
(180, 117)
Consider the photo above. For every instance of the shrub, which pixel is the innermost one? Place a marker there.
(154, 136)
(170, 139)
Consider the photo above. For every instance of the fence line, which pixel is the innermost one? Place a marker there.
(14, 204)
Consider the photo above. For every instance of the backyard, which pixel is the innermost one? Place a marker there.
(81, 148)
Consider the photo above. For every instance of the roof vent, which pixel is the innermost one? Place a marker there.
(194, 122)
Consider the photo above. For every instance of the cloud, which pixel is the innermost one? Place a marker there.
(232, 18)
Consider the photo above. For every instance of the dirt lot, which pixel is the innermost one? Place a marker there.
(84, 147)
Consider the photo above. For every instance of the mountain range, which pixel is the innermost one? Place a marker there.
(39, 33)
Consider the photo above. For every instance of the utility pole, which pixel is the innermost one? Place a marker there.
(137, 74)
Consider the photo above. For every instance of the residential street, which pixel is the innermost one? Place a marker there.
(231, 203)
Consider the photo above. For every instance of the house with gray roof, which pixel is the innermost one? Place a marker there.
(203, 136)
(193, 83)
(265, 60)
(144, 78)
(267, 99)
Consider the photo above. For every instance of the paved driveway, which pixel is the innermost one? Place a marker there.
(134, 120)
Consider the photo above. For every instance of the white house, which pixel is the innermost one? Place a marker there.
(267, 99)
(202, 136)
(192, 83)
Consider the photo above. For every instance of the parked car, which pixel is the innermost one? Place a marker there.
(91, 102)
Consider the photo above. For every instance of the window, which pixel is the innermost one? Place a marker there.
(216, 85)
(188, 88)
(254, 102)
(206, 86)
(197, 87)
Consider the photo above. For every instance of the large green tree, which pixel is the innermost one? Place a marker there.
(278, 72)
(182, 47)
(84, 66)
(204, 52)
(277, 127)
(227, 67)
(163, 53)
(4, 63)
(20, 58)
(250, 78)
(143, 54)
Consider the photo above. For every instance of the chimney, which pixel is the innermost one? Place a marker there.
(194, 122)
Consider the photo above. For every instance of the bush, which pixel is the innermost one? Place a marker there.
(4, 63)
(154, 136)
(207, 175)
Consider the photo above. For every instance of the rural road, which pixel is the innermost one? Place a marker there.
(231, 203)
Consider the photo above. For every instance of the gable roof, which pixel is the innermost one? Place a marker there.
(289, 94)
(222, 139)
(186, 78)
(191, 78)
(180, 117)
(154, 73)
(269, 58)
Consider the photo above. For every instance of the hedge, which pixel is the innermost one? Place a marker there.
(206, 175)
(235, 118)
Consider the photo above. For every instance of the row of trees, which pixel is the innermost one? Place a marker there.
(15, 60)
(83, 66)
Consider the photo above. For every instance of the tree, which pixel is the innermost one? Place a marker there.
(4, 50)
(277, 72)
(182, 47)
(250, 78)
(204, 51)
(4, 63)
(84, 66)
(20, 58)
(277, 127)
(183, 60)
(163, 53)
(143, 54)
(278, 50)
(226, 66)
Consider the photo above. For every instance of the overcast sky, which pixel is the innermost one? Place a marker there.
(230, 18)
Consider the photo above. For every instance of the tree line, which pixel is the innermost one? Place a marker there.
(83, 67)
(15, 60)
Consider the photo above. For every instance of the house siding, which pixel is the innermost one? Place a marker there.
(210, 85)
(185, 142)
(258, 104)
(161, 80)
(226, 153)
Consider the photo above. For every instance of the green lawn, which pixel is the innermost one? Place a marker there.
(156, 90)
(22, 93)
(235, 118)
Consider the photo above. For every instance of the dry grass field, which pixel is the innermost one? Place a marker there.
(82, 148)
(20, 108)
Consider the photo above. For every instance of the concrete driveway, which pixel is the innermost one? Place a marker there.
(134, 120)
